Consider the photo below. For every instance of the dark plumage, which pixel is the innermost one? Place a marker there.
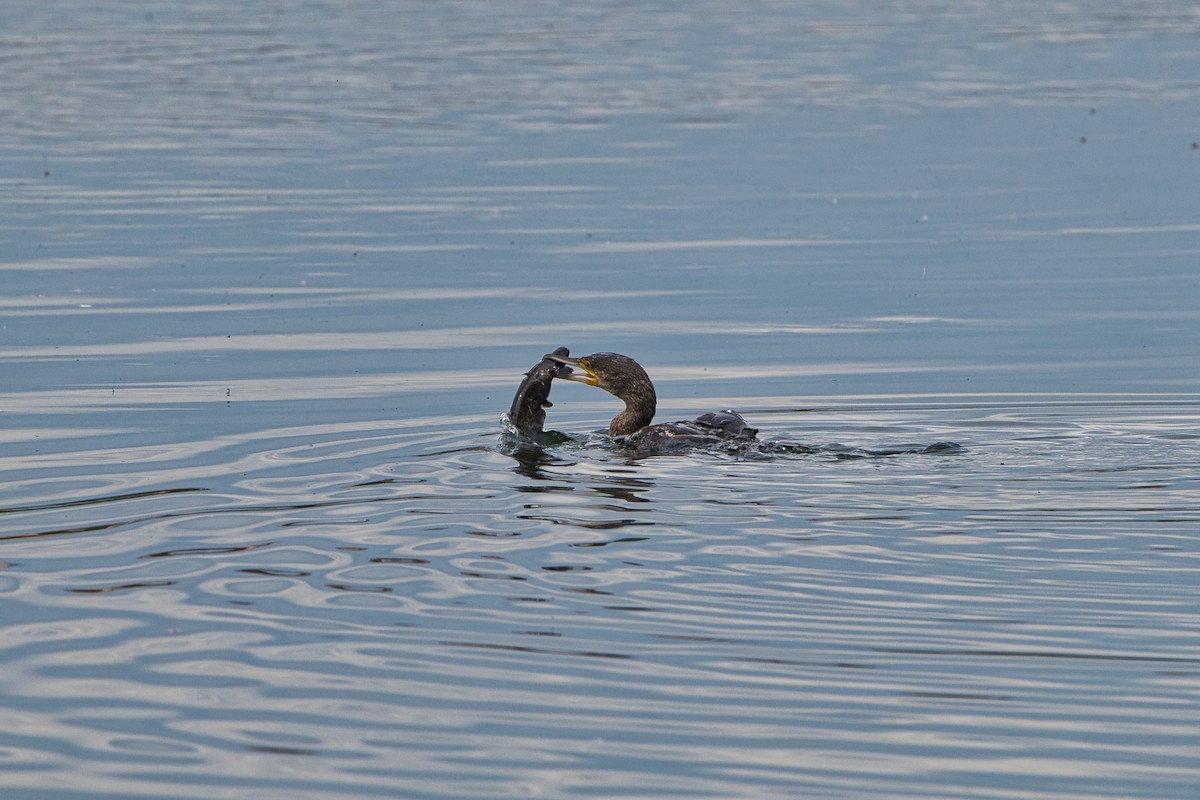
(623, 377)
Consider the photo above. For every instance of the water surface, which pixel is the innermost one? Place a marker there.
(271, 276)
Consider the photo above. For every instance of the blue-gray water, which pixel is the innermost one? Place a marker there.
(272, 273)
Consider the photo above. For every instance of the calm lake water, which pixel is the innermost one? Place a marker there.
(272, 273)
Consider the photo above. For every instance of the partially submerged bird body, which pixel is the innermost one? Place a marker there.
(624, 378)
(715, 429)
(633, 428)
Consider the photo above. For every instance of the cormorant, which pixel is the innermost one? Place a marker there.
(623, 377)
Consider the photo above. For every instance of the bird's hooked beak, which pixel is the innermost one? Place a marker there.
(585, 372)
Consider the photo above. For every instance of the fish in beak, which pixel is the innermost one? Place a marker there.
(584, 374)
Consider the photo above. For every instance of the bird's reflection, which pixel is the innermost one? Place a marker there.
(629, 490)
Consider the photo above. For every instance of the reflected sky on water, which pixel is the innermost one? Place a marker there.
(272, 273)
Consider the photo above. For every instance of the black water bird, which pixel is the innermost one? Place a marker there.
(624, 378)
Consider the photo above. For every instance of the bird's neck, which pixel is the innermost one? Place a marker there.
(638, 413)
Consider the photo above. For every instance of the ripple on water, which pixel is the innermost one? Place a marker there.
(418, 604)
